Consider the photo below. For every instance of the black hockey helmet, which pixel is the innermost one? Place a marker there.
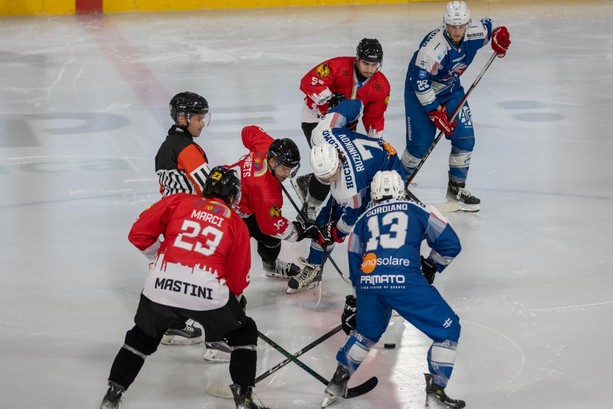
(285, 152)
(187, 103)
(369, 49)
(222, 183)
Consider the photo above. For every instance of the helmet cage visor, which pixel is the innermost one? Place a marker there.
(207, 117)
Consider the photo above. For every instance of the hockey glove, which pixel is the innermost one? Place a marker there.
(441, 121)
(335, 99)
(428, 270)
(330, 235)
(501, 40)
(348, 317)
(353, 125)
(306, 230)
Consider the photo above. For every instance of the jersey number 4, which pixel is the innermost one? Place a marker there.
(188, 238)
(395, 238)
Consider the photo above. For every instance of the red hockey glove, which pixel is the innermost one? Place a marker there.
(501, 41)
(441, 122)
(330, 235)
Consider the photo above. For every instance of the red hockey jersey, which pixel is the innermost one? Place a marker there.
(337, 75)
(261, 192)
(205, 256)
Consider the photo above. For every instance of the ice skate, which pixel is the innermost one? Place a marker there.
(309, 204)
(435, 393)
(189, 335)
(309, 211)
(301, 186)
(280, 268)
(337, 388)
(243, 398)
(217, 352)
(309, 277)
(456, 193)
(112, 398)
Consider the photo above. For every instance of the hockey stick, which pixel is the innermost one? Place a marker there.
(300, 352)
(303, 216)
(358, 390)
(217, 389)
(453, 115)
(354, 90)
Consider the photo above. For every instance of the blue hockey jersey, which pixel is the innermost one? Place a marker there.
(364, 156)
(435, 69)
(384, 246)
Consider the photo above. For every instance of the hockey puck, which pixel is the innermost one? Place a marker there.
(389, 346)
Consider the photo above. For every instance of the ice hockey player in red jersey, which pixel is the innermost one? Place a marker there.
(329, 83)
(269, 162)
(199, 270)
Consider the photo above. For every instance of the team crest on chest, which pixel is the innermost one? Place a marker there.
(274, 211)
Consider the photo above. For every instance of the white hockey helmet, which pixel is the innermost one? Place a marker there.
(324, 161)
(456, 14)
(387, 184)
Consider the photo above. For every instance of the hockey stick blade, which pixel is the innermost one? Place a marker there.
(362, 388)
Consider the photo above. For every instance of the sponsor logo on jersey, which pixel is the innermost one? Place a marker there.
(323, 70)
(274, 211)
(393, 279)
(370, 261)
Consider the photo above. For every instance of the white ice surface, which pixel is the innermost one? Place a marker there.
(83, 109)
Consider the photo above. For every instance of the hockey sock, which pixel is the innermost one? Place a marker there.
(126, 366)
(441, 359)
(242, 366)
(354, 351)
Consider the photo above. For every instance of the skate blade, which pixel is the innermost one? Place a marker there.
(469, 208)
(449, 207)
(216, 357)
(173, 340)
(329, 400)
(303, 289)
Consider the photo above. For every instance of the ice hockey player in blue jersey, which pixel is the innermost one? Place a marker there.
(347, 161)
(432, 91)
(389, 273)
